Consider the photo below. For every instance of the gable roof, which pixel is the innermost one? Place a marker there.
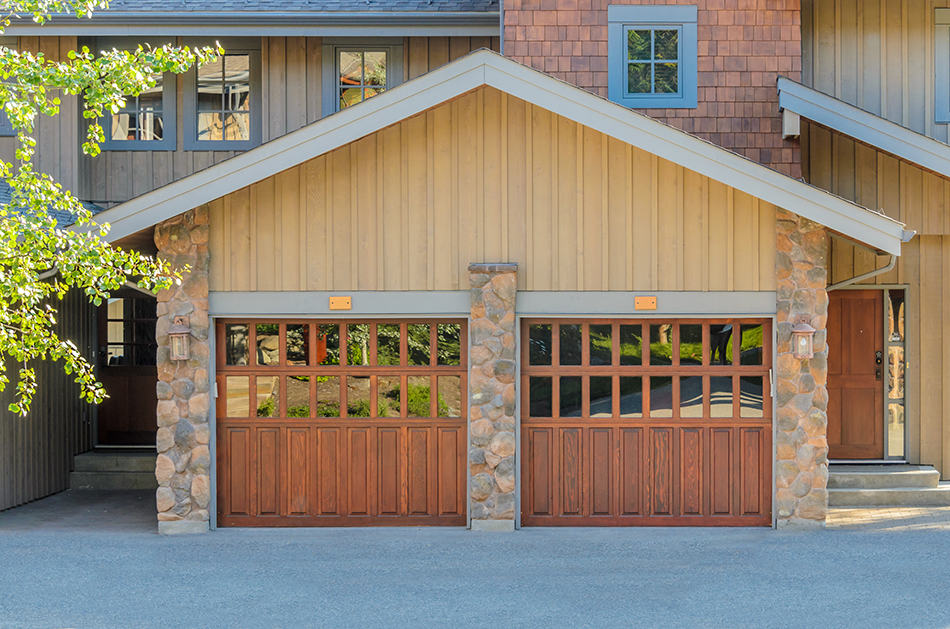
(864, 126)
(485, 67)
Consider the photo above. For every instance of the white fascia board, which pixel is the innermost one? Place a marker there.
(484, 67)
(864, 126)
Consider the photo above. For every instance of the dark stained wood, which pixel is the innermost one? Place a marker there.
(855, 381)
(339, 471)
(613, 470)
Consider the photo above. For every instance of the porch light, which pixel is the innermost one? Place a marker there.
(803, 340)
(180, 335)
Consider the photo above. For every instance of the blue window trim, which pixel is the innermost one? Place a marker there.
(332, 47)
(942, 65)
(190, 107)
(621, 18)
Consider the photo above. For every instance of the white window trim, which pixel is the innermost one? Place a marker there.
(393, 48)
(621, 18)
(942, 65)
(190, 100)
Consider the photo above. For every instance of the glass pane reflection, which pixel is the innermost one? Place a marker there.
(691, 396)
(601, 396)
(570, 392)
(661, 396)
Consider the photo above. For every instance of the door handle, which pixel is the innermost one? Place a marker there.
(878, 360)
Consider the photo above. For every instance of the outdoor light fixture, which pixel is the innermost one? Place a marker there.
(803, 340)
(180, 336)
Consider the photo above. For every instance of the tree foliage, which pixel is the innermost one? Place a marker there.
(41, 260)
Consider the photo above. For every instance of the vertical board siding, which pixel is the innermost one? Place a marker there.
(291, 87)
(490, 177)
(36, 452)
(877, 55)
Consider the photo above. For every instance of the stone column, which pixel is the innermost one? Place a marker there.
(801, 402)
(492, 394)
(184, 432)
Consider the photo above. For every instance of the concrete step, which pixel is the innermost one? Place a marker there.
(118, 461)
(882, 476)
(113, 480)
(938, 496)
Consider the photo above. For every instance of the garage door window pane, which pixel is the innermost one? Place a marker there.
(661, 344)
(601, 396)
(357, 396)
(570, 391)
(450, 396)
(631, 350)
(298, 396)
(387, 396)
(357, 344)
(235, 344)
(419, 342)
(720, 344)
(450, 345)
(268, 396)
(720, 396)
(328, 396)
(661, 396)
(328, 344)
(268, 344)
(238, 394)
(751, 396)
(570, 338)
(691, 396)
(298, 344)
(418, 402)
(691, 344)
(751, 348)
(387, 344)
(539, 344)
(539, 396)
(601, 345)
(631, 396)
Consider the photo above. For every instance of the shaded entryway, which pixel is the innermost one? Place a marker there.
(85, 510)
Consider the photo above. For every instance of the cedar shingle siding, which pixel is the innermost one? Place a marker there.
(742, 48)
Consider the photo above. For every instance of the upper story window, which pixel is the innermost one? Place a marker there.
(652, 56)
(147, 121)
(356, 70)
(222, 104)
(942, 65)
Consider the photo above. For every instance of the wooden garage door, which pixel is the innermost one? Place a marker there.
(332, 423)
(633, 422)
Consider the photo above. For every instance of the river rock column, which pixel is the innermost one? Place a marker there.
(184, 432)
(492, 394)
(801, 403)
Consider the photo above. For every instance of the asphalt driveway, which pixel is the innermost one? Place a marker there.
(89, 562)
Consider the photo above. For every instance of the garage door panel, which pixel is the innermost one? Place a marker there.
(645, 423)
(268, 471)
(343, 423)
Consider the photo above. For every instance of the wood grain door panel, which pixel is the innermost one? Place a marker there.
(855, 380)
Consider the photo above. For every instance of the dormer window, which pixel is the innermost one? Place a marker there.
(652, 56)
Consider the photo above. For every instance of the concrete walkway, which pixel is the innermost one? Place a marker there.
(83, 559)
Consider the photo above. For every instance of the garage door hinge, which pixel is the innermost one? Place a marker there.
(216, 390)
(771, 385)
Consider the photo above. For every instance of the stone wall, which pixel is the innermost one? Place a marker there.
(184, 432)
(801, 402)
(492, 393)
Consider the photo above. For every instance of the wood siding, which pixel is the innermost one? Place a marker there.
(921, 199)
(488, 177)
(291, 77)
(875, 54)
(36, 453)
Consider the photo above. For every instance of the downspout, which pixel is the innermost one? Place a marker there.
(906, 237)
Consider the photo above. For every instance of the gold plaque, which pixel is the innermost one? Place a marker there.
(341, 303)
(644, 303)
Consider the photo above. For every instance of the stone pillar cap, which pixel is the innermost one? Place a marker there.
(493, 267)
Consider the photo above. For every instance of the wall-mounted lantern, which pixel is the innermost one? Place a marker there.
(803, 340)
(180, 336)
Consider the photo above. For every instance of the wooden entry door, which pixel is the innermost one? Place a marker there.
(646, 423)
(330, 423)
(855, 374)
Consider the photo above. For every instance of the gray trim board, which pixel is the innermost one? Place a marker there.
(669, 303)
(864, 126)
(314, 303)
